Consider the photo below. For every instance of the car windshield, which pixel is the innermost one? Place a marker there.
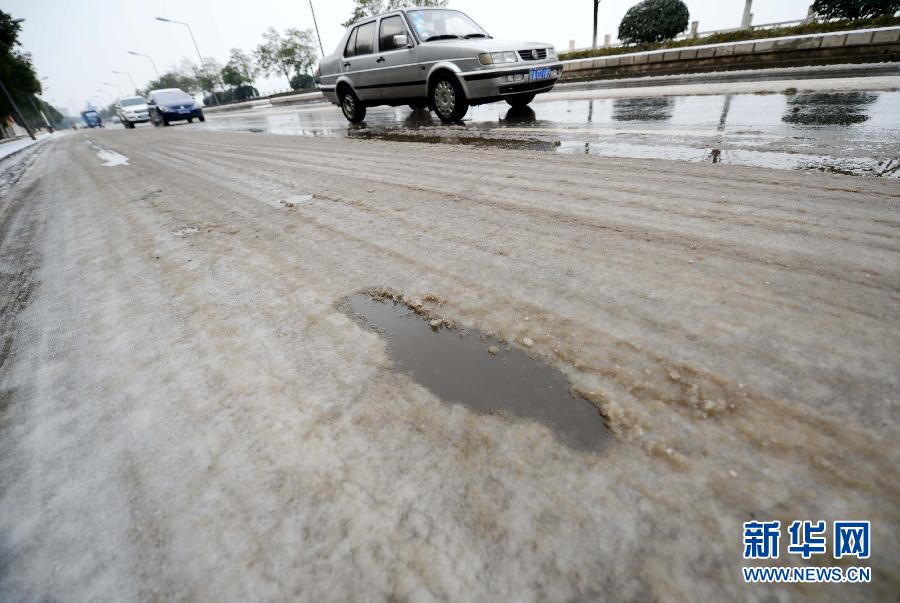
(444, 25)
(130, 102)
(172, 98)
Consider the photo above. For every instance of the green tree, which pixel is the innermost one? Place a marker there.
(241, 69)
(653, 21)
(206, 75)
(16, 71)
(369, 8)
(288, 54)
(854, 9)
(303, 81)
(174, 79)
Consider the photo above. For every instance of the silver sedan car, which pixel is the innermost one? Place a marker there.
(432, 57)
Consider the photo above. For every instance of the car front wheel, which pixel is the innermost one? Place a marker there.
(448, 99)
(353, 109)
(520, 100)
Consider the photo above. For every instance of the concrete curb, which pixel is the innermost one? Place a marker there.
(276, 101)
(833, 47)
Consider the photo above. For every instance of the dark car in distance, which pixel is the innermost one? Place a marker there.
(172, 104)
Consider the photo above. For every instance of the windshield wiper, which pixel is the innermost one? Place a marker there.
(443, 37)
(477, 35)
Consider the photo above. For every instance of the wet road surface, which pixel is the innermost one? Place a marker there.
(185, 413)
(842, 132)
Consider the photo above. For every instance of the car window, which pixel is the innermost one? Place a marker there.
(365, 39)
(130, 102)
(350, 50)
(441, 24)
(173, 98)
(390, 27)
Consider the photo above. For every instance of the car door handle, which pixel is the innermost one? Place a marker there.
(347, 65)
(380, 60)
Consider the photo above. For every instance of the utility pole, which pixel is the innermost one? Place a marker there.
(748, 16)
(16, 109)
(42, 114)
(596, 9)
(316, 24)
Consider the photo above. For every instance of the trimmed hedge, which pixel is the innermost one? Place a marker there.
(737, 36)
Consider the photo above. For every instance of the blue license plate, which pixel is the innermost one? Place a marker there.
(539, 73)
(184, 110)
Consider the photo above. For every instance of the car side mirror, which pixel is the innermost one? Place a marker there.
(401, 41)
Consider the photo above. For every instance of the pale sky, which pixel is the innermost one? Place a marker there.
(77, 44)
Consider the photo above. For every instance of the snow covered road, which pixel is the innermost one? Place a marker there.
(187, 414)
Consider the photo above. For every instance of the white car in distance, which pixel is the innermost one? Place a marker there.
(133, 110)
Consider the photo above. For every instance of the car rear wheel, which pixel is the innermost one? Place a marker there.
(201, 117)
(190, 120)
(448, 99)
(165, 122)
(520, 100)
(353, 109)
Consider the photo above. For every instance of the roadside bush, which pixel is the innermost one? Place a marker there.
(302, 81)
(854, 9)
(738, 36)
(232, 95)
(653, 21)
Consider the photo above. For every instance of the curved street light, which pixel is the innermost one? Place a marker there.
(146, 56)
(121, 94)
(197, 48)
(129, 77)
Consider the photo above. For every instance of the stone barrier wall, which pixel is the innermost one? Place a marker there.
(861, 46)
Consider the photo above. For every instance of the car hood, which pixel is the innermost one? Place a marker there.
(135, 108)
(487, 45)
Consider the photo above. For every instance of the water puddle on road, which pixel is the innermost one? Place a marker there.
(473, 140)
(457, 366)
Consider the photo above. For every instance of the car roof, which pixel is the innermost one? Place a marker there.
(167, 90)
(397, 11)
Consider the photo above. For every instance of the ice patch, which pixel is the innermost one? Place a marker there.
(109, 157)
(295, 200)
(186, 231)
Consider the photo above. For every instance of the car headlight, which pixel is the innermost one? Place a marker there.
(504, 57)
(551, 53)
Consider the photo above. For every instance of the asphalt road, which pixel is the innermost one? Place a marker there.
(187, 413)
(842, 125)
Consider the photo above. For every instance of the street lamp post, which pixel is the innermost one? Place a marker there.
(316, 23)
(197, 48)
(129, 77)
(108, 94)
(146, 56)
(121, 94)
